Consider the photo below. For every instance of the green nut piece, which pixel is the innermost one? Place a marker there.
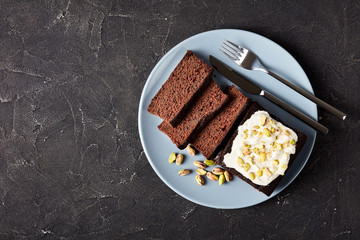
(228, 177)
(179, 159)
(199, 180)
(221, 179)
(172, 158)
(209, 162)
(212, 176)
(184, 172)
(201, 171)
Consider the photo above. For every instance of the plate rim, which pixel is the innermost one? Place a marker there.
(142, 102)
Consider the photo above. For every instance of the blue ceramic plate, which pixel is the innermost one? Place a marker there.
(158, 147)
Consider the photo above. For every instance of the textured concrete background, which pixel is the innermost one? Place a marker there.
(71, 162)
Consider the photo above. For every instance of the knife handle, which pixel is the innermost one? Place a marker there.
(308, 95)
(295, 112)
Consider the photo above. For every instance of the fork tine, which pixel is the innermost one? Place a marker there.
(235, 50)
(236, 57)
(235, 45)
(232, 58)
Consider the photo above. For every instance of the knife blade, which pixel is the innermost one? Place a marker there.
(252, 88)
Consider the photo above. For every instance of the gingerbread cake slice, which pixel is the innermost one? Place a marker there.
(261, 149)
(210, 139)
(175, 96)
(209, 101)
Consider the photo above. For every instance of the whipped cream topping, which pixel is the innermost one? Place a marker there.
(262, 148)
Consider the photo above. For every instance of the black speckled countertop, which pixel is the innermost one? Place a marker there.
(71, 162)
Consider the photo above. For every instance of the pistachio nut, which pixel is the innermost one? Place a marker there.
(190, 150)
(199, 164)
(221, 179)
(218, 171)
(184, 172)
(212, 176)
(199, 180)
(228, 176)
(172, 158)
(209, 162)
(201, 171)
(179, 159)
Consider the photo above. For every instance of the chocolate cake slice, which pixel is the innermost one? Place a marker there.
(209, 101)
(180, 89)
(252, 161)
(210, 139)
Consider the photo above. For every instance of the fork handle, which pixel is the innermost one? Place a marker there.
(311, 122)
(308, 95)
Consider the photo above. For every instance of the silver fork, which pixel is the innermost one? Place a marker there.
(248, 60)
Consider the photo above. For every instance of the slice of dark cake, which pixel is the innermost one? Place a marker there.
(210, 139)
(209, 101)
(180, 89)
(261, 149)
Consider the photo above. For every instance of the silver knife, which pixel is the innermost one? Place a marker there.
(252, 88)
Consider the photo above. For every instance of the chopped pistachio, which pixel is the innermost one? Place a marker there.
(263, 120)
(251, 159)
(285, 145)
(246, 151)
(262, 157)
(247, 167)
(284, 166)
(277, 146)
(252, 176)
(267, 132)
(267, 172)
(240, 161)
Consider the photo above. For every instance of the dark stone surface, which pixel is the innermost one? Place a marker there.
(71, 162)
